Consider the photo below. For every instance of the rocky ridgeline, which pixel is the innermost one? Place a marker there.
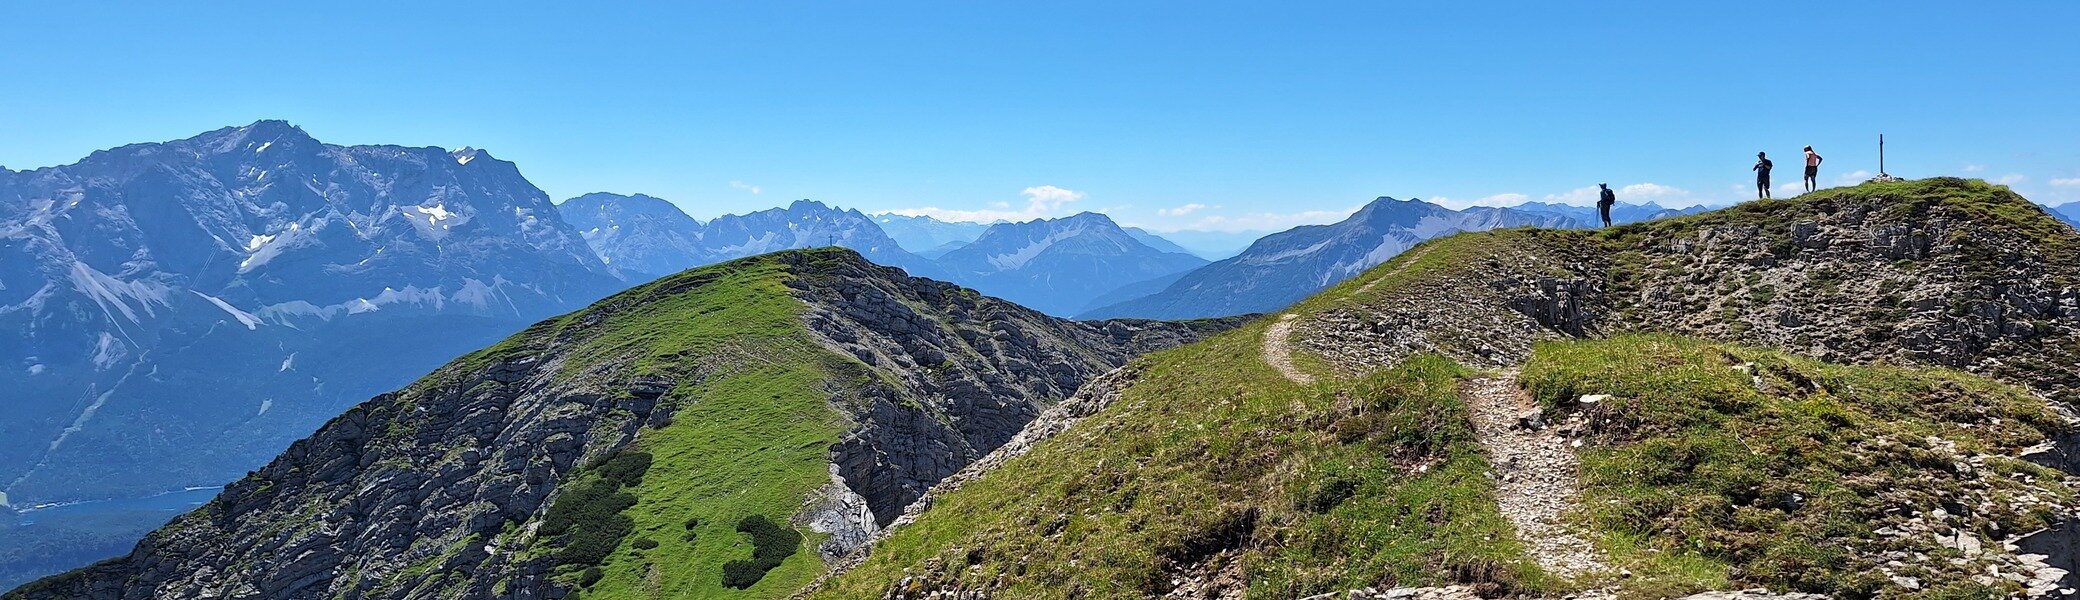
(1941, 272)
(436, 490)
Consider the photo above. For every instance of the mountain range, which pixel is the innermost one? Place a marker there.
(1284, 267)
(926, 236)
(178, 312)
(1854, 393)
(1059, 265)
(184, 310)
(138, 279)
(1621, 212)
(652, 237)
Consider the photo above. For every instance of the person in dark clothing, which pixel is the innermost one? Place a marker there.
(1812, 169)
(1603, 204)
(1762, 167)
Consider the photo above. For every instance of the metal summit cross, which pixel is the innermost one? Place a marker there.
(1882, 177)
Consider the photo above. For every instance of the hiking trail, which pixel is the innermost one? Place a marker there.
(1279, 352)
(1535, 473)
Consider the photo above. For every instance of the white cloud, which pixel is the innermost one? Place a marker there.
(1974, 168)
(1853, 177)
(1042, 202)
(2011, 179)
(2066, 181)
(755, 190)
(1181, 210)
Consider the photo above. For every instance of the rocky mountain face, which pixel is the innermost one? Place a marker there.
(924, 235)
(640, 237)
(1284, 267)
(179, 311)
(624, 447)
(640, 230)
(806, 224)
(1059, 265)
(1722, 392)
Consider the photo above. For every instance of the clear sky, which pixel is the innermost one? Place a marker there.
(1171, 115)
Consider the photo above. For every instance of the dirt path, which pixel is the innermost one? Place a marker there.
(1417, 255)
(1535, 472)
(1278, 350)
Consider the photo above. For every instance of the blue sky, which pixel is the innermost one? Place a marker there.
(1170, 115)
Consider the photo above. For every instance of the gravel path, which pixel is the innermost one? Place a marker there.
(1278, 350)
(1535, 472)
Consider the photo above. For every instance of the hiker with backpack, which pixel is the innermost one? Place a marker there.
(1603, 204)
(1762, 167)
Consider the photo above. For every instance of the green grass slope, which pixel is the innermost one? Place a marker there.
(1717, 464)
(1212, 464)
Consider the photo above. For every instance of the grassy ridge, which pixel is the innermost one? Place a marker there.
(750, 434)
(1213, 461)
(1720, 464)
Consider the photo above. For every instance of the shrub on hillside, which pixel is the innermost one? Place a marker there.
(586, 518)
(771, 544)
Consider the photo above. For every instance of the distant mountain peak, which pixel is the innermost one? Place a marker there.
(1089, 217)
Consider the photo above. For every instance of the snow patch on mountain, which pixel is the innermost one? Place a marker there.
(1018, 259)
(244, 318)
(115, 295)
(108, 350)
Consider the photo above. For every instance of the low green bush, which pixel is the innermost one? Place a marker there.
(586, 521)
(771, 544)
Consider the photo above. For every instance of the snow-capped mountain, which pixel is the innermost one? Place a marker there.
(639, 237)
(1284, 267)
(1059, 265)
(1621, 213)
(805, 224)
(924, 235)
(178, 312)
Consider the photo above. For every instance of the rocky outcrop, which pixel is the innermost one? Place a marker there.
(969, 371)
(1093, 397)
(1940, 272)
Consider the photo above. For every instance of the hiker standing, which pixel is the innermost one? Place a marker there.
(1603, 204)
(1762, 167)
(1812, 169)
